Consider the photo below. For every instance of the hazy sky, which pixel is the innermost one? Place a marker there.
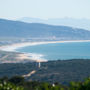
(12, 9)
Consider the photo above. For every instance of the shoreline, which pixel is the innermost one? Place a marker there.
(15, 46)
(33, 56)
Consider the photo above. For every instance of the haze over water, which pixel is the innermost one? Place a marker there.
(60, 51)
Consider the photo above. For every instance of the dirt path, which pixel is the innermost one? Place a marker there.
(4, 57)
(29, 74)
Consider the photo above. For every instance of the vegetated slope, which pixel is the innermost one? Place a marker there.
(10, 28)
(63, 71)
(52, 71)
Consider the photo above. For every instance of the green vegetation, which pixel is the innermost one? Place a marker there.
(53, 71)
(6, 84)
(18, 83)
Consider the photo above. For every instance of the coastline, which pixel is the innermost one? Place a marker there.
(15, 46)
(33, 57)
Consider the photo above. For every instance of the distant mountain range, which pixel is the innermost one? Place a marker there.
(10, 28)
(76, 23)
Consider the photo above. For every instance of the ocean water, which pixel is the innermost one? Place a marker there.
(59, 51)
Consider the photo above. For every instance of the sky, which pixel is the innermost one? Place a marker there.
(44, 9)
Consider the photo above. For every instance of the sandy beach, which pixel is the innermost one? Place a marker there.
(37, 58)
(13, 47)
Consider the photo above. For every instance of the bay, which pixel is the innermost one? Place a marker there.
(59, 51)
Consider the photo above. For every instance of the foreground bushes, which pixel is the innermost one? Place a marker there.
(18, 83)
(9, 86)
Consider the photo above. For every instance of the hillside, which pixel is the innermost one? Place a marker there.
(53, 71)
(72, 22)
(10, 28)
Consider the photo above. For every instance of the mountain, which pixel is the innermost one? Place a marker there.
(76, 23)
(10, 28)
(31, 20)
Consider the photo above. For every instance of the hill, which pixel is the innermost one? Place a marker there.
(10, 28)
(72, 22)
(63, 71)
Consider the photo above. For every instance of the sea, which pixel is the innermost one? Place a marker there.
(58, 51)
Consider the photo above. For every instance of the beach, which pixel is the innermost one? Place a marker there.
(31, 56)
(15, 46)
